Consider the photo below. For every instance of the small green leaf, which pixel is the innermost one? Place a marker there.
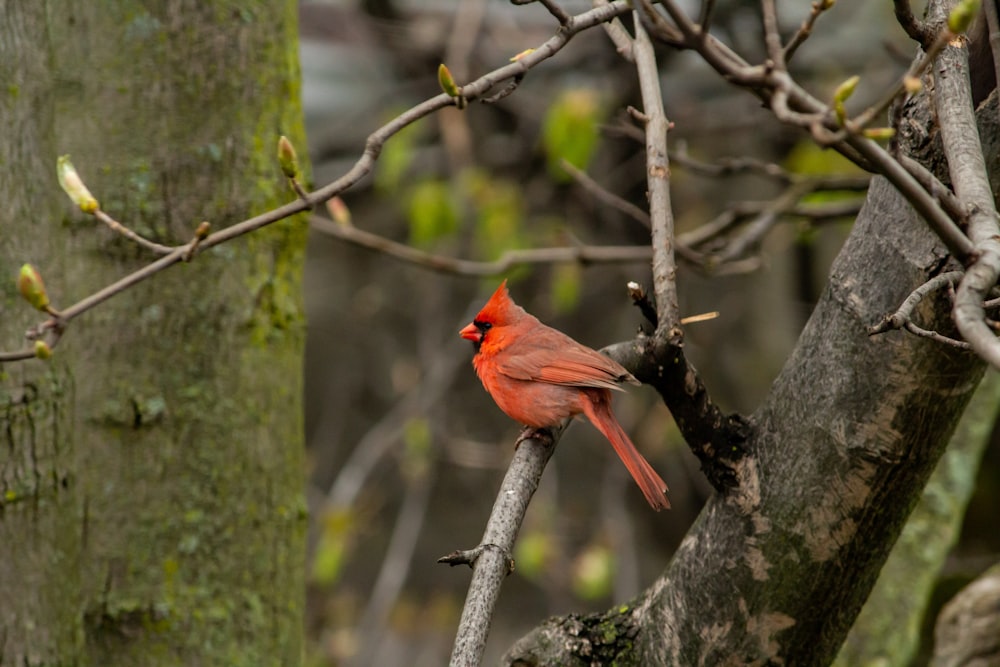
(567, 279)
(533, 554)
(396, 158)
(963, 15)
(593, 572)
(432, 213)
(570, 130)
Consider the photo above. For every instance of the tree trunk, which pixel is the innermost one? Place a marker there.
(166, 516)
(776, 571)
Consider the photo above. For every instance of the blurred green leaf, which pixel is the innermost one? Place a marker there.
(532, 554)
(396, 157)
(432, 212)
(569, 130)
(567, 280)
(499, 207)
(593, 572)
(808, 158)
(332, 547)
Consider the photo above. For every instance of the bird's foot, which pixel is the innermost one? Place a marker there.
(543, 435)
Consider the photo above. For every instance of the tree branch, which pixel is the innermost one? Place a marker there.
(491, 561)
(967, 166)
(51, 330)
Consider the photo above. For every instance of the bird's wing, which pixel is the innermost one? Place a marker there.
(565, 362)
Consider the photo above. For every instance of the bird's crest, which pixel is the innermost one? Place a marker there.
(500, 309)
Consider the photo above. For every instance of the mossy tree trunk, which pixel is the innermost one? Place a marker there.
(152, 471)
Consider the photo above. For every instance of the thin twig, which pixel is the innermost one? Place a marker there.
(582, 254)
(785, 96)
(658, 186)
(967, 167)
(760, 226)
(805, 30)
(772, 35)
(618, 35)
(705, 15)
(361, 168)
(904, 313)
(604, 196)
(557, 11)
(917, 30)
(491, 565)
(119, 228)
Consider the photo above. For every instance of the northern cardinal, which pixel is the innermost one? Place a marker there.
(540, 376)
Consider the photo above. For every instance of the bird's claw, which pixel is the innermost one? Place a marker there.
(543, 435)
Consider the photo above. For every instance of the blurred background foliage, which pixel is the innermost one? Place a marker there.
(406, 449)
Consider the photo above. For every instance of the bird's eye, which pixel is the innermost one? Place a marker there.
(484, 326)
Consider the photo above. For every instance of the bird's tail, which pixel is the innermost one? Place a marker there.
(598, 411)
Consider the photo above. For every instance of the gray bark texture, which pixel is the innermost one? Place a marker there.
(776, 570)
(887, 632)
(151, 508)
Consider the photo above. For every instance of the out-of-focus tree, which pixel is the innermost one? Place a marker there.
(152, 509)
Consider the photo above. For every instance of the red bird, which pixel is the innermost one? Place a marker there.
(540, 376)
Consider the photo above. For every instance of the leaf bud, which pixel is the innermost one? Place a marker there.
(73, 186)
(287, 158)
(31, 287)
(447, 81)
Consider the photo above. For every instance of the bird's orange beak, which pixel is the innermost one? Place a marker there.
(471, 332)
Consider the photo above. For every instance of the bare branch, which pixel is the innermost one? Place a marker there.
(967, 167)
(792, 104)
(119, 228)
(917, 30)
(658, 185)
(772, 36)
(618, 35)
(604, 196)
(903, 317)
(705, 17)
(52, 329)
(557, 11)
(582, 254)
(802, 34)
(491, 564)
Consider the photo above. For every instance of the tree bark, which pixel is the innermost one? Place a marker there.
(169, 500)
(776, 570)
(887, 632)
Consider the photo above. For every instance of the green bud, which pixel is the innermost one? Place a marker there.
(447, 81)
(73, 186)
(880, 133)
(203, 229)
(42, 350)
(339, 211)
(31, 287)
(962, 16)
(287, 158)
(843, 92)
